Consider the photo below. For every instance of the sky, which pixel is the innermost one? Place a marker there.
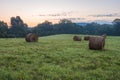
(34, 12)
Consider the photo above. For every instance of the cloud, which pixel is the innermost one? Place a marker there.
(75, 18)
(106, 15)
(72, 19)
(57, 14)
(52, 15)
(42, 15)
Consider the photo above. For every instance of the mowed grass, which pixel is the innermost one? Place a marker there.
(58, 57)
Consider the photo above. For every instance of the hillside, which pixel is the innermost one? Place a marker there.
(58, 57)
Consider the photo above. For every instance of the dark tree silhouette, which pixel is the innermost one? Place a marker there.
(3, 29)
(116, 23)
(44, 29)
(18, 27)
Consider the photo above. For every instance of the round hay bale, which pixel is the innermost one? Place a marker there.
(104, 35)
(96, 43)
(86, 38)
(31, 37)
(27, 38)
(77, 38)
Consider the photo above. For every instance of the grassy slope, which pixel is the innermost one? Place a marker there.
(58, 58)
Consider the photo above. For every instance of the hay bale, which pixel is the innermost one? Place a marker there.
(96, 43)
(104, 35)
(77, 38)
(31, 37)
(27, 38)
(86, 38)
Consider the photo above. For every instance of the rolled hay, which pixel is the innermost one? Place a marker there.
(31, 37)
(77, 38)
(27, 38)
(96, 43)
(86, 38)
(104, 35)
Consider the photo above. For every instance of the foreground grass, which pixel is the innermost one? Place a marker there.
(58, 58)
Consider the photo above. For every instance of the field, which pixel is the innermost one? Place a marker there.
(58, 57)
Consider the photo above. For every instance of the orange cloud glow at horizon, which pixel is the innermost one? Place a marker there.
(34, 21)
(33, 12)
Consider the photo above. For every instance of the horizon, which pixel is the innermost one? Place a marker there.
(34, 12)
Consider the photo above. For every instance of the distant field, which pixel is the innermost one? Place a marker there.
(58, 57)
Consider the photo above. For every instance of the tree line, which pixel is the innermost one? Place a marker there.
(19, 29)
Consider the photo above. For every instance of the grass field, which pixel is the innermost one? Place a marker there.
(58, 57)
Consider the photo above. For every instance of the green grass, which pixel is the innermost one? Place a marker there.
(58, 57)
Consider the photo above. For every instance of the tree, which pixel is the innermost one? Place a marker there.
(18, 27)
(44, 29)
(98, 29)
(64, 21)
(91, 28)
(67, 27)
(3, 29)
(116, 24)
